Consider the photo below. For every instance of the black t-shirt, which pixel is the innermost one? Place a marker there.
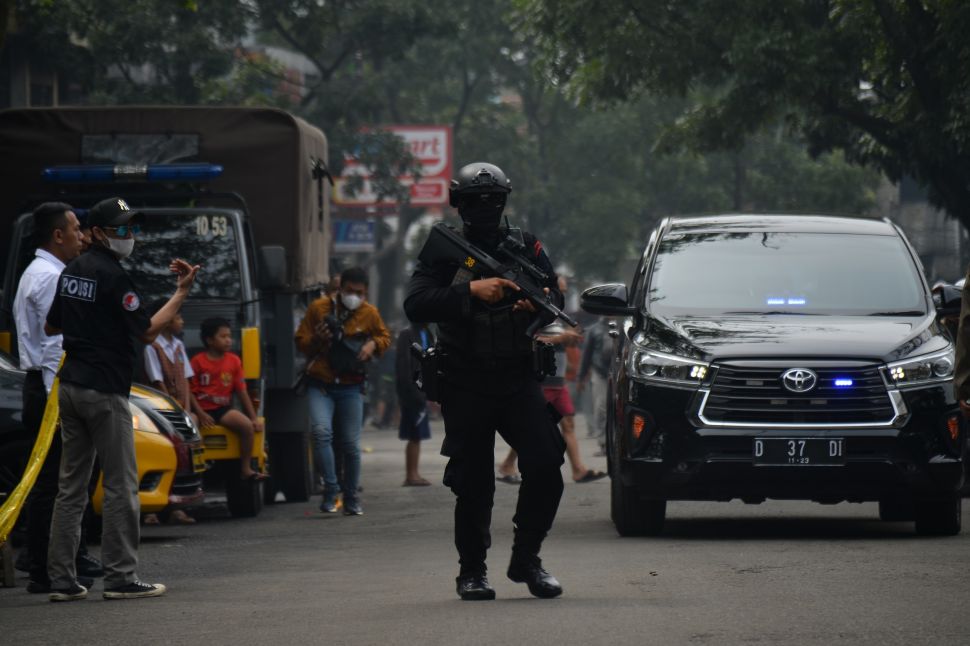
(98, 308)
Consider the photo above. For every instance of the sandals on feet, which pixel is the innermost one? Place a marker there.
(509, 478)
(590, 476)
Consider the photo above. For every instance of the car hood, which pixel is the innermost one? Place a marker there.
(756, 336)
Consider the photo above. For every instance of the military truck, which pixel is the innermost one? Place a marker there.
(242, 191)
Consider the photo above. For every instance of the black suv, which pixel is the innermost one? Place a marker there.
(788, 357)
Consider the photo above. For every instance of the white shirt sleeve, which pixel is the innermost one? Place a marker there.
(153, 368)
(51, 346)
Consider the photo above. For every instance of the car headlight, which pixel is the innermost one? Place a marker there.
(669, 369)
(140, 421)
(927, 369)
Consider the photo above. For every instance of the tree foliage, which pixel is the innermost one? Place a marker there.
(139, 51)
(590, 178)
(882, 80)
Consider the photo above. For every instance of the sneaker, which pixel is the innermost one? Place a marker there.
(135, 590)
(43, 587)
(353, 508)
(75, 593)
(328, 506)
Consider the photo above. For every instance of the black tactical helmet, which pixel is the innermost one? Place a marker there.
(477, 178)
(479, 192)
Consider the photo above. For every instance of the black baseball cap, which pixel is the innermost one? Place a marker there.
(82, 217)
(112, 212)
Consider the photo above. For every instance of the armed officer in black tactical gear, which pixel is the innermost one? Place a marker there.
(488, 383)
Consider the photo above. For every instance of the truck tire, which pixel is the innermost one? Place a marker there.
(940, 517)
(632, 515)
(896, 510)
(291, 465)
(244, 498)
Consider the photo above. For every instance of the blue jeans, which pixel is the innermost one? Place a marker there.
(337, 409)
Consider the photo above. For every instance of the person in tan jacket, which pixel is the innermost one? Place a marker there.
(339, 334)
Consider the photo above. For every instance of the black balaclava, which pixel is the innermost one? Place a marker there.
(481, 214)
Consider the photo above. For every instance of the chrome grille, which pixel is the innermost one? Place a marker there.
(755, 395)
(177, 419)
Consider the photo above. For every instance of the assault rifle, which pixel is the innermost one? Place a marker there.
(445, 244)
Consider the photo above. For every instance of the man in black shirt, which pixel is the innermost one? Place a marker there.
(99, 312)
(488, 384)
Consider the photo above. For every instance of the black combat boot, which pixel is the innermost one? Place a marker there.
(473, 586)
(529, 571)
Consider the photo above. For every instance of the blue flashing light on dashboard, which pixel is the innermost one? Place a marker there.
(796, 301)
(103, 173)
(775, 301)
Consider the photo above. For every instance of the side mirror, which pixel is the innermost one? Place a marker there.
(609, 300)
(947, 299)
(272, 267)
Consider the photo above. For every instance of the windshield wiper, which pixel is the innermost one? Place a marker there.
(772, 312)
(900, 313)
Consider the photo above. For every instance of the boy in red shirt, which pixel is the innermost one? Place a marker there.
(218, 373)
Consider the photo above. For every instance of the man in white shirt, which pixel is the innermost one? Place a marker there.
(57, 233)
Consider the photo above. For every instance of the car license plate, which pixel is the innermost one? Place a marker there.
(198, 460)
(799, 451)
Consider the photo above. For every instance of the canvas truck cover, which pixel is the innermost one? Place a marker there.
(266, 155)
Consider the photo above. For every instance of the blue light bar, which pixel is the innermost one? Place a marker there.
(775, 301)
(78, 174)
(843, 383)
(162, 172)
(796, 301)
(105, 173)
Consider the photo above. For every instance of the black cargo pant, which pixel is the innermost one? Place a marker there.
(524, 421)
(40, 503)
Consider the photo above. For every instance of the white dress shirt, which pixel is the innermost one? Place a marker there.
(35, 293)
(172, 349)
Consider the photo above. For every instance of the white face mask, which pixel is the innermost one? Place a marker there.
(122, 248)
(351, 301)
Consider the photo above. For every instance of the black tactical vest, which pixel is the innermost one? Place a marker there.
(495, 335)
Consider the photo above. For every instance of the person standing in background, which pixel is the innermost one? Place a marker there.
(57, 233)
(340, 335)
(414, 426)
(101, 315)
(595, 367)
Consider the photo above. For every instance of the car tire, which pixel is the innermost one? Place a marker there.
(940, 517)
(291, 465)
(896, 510)
(244, 498)
(633, 516)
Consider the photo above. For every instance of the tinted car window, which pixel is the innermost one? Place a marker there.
(772, 272)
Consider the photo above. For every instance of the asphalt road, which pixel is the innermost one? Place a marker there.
(777, 573)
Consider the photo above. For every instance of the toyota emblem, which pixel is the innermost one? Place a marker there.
(799, 380)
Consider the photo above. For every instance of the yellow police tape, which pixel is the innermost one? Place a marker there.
(11, 508)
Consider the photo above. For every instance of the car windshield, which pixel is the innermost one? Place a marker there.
(205, 239)
(708, 274)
